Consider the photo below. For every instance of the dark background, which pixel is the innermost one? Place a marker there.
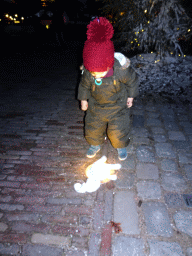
(30, 49)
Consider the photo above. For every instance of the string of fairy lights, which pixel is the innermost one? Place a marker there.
(15, 18)
(146, 23)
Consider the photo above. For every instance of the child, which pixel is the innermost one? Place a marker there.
(106, 90)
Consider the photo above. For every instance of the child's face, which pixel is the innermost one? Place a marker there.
(99, 74)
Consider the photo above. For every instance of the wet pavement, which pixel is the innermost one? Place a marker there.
(42, 155)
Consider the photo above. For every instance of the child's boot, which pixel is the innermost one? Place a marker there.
(122, 153)
(92, 151)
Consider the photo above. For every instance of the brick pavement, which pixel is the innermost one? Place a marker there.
(42, 152)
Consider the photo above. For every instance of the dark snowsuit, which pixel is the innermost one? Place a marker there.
(107, 105)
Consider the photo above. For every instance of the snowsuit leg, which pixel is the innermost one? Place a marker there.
(118, 130)
(95, 129)
(115, 120)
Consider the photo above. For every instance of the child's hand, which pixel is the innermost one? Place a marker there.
(129, 102)
(84, 105)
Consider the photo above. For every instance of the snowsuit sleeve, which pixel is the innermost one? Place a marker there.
(84, 90)
(130, 78)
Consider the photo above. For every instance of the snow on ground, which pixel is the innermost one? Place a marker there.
(170, 79)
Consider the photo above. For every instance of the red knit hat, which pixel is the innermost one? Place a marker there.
(98, 52)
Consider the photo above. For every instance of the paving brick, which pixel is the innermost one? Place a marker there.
(65, 230)
(181, 145)
(157, 130)
(139, 132)
(9, 249)
(151, 108)
(14, 191)
(137, 112)
(47, 193)
(138, 121)
(5, 199)
(188, 130)
(106, 238)
(162, 248)
(188, 171)
(100, 195)
(33, 170)
(154, 122)
(9, 157)
(171, 125)
(52, 180)
(108, 206)
(149, 190)
(141, 141)
(35, 186)
(3, 227)
(22, 216)
(26, 227)
(43, 208)
(183, 221)
(168, 165)
(185, 158)
(38, 238)
(9, 184)
(145, 154)
(29, 200)
(11, 207)
(125, 212)
(176, 135)
(98, 216)
(128, 164)
(83, 210)
(159, 138)
(147, 171)
(124, 180)
(80, 242)
(14, 152)
(157, 219)
(41, 250)
(128, 246)
(174, 200)
(173, 182)
(186, 124)
(60, 219)
(19, 178)
(152, 115)
(13, 238)
(2, 177)
(85, 220)
(189, 251)
(166, 111)
(164, 150)
(94, 244)
(76, 201)
(75, 253)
